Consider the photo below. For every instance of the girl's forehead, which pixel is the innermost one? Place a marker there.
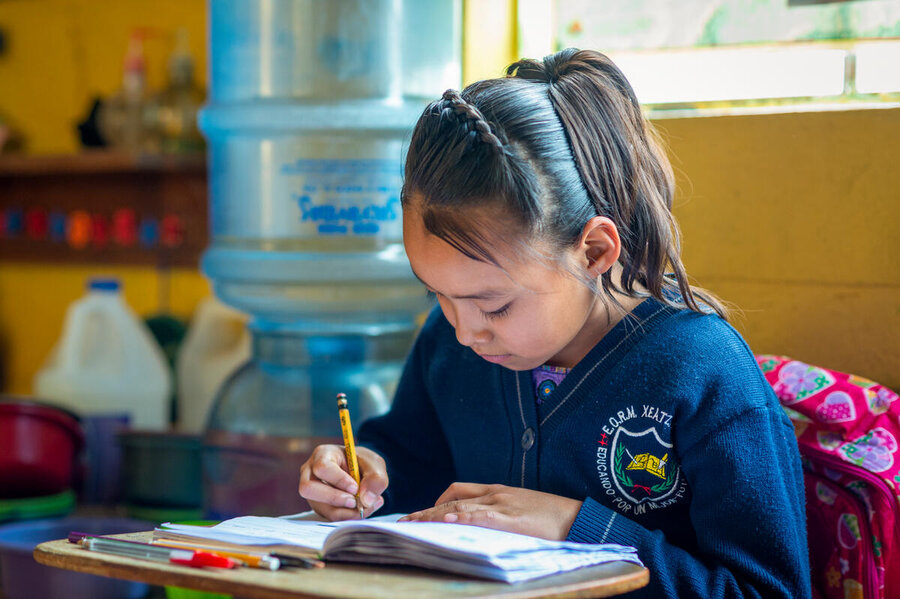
(449, 271)
(476, 235)
(482, 227)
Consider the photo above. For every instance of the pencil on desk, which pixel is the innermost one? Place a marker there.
(349, 447)
(264, 561)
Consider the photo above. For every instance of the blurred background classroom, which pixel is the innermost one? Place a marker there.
(199, 227)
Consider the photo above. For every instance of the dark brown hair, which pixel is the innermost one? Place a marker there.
(541, 151)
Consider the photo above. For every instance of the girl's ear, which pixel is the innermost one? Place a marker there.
(599, 245)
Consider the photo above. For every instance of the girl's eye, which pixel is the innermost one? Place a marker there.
(497, 313)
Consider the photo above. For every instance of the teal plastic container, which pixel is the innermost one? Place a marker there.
(161, 469)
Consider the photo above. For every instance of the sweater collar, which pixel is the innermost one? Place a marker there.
(595, 365)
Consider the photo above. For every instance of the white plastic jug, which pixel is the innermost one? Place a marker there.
(217, 343)
(107, 362)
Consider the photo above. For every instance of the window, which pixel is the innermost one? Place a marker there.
(701, 55)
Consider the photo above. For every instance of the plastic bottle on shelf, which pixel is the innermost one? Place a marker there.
(177, 105)
(107, 362)
(124, 119)
(217, 343)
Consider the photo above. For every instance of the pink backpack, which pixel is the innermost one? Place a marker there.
(847, 428)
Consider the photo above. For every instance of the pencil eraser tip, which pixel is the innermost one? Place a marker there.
(75, 537)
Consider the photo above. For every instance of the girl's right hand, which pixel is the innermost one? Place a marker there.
(331, 491)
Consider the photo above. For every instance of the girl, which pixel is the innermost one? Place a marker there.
(567, 388)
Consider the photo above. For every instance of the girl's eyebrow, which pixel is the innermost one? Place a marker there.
(482, 295)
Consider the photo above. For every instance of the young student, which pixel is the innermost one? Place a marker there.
(568, 387)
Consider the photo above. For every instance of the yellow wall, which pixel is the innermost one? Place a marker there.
(792, 217)
(795, 219)
(63, 53)
(489, 38)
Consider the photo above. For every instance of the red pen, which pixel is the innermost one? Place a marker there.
(201, 559)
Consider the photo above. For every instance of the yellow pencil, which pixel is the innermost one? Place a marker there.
(349, 447)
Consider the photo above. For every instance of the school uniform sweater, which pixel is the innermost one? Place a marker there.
(666, 430)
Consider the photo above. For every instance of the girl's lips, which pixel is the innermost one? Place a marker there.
(496, 359)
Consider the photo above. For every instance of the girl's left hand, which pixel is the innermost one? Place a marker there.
(512, 509)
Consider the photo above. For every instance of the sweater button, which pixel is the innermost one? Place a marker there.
(527, 439)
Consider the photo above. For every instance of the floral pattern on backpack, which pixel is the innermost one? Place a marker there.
(847, 429)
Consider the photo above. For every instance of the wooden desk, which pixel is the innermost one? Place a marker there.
(341, 581)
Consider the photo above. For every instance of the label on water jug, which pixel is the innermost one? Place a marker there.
(347, 197)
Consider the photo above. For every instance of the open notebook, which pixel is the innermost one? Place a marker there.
(456, 548)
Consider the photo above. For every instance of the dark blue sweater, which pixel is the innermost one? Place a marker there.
(666, 430)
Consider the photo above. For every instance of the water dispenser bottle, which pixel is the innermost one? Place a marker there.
(311, 104)
(273, 411)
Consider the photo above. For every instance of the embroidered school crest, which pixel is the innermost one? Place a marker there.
(636, 462)
(642, 468)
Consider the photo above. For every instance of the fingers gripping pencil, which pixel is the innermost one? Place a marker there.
(349, 447)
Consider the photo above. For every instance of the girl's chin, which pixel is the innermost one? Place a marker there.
(515, 363)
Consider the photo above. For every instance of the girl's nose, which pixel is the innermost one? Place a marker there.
(470, 332)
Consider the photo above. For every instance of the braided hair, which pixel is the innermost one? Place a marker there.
(540, 152)
(452, 106)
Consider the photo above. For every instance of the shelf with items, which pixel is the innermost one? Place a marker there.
(103, 207)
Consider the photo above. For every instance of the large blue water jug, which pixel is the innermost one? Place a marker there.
(311, 105)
